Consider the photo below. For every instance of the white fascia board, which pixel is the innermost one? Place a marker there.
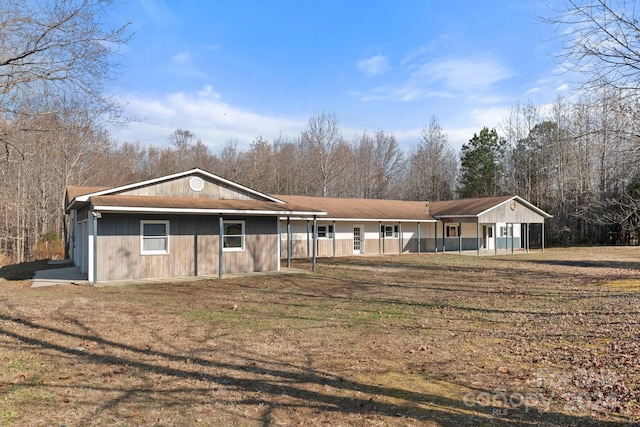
(363, 219)
(459, 216)
(495, 206)
(523, 202)
(126, 209)
(86, 197)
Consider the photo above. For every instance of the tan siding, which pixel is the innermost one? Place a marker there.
(119, 247)
(179, 187)
(503, 213)
(371, 246)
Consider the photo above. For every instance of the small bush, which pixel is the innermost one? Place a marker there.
(4, 259)
(50, 247)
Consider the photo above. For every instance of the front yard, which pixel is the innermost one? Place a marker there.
(549, 338)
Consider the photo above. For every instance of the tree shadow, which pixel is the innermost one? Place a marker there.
(268, 385)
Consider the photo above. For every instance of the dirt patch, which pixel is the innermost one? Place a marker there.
(407, 340)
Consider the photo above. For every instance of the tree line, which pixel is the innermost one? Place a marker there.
(576, 158)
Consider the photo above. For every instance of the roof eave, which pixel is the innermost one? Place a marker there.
(257, 212)
(87, 197)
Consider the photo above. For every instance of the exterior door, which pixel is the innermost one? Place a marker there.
(488, 239)
(357, 239)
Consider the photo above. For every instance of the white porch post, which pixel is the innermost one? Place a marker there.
(308, 251)
(478, 236)
(419, 240)
(315, 240)
(334, 239)
(289, 245)
(435, 236)
(380, 237)
(221, 245)
(512, 238)
(459, 237)
(399, 238)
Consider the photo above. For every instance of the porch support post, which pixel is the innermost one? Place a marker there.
(221, 245)
(315, 241)
(459, 237)
(95, 215)
(543, 235)
(478, 236)
(419, 239)
(308, 251)
(380, 250)
(435, 236)
(399, 238)
(512, 238)
(495, 238)
(444, 242)
(289, 245)
(334, 238)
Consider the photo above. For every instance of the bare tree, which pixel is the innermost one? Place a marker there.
(321, 142)
(601, 42)
(432, 166)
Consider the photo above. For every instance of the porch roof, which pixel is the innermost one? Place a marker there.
(188, 205)
(365, 209)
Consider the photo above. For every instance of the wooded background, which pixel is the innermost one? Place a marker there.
(576, 159)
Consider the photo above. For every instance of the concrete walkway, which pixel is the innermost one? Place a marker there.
(59, 276)
(72, 275)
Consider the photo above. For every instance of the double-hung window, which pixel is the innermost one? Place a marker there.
(154, 237)
(452, 231)
(325, 231)
(233, 236)
(389, 231)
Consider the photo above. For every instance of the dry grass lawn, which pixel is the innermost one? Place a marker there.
(537, 339)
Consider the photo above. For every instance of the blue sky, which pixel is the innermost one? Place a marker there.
(237, 70)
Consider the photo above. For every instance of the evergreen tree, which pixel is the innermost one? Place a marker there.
(481, 164)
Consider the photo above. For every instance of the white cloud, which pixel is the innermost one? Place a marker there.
(158, 11)
(374, 66)
(181, 58)
(204, 113)
(463, 74)
(562, 87)
(444, 78)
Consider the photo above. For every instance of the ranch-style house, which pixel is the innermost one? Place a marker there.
(195, 223)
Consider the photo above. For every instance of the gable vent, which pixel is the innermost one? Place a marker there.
(196, 184)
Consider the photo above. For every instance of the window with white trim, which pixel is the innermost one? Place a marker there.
(325, 232)
(154, 237)
(389, 231)
(506, 231)
(452, 231)
(233, 236)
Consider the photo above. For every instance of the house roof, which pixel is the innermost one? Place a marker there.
(150, 204)
(466, 207)
(364, 209)
(404, 210)
(74, 191)
(83, 196)
(477, 206)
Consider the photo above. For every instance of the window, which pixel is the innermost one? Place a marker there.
(154, 237)
(452, 231)
(233, 236)
(506, 231)
(325, 232)
(389, 231)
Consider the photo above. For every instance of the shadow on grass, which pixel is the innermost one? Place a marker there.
(24, 270)
(266, 385)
